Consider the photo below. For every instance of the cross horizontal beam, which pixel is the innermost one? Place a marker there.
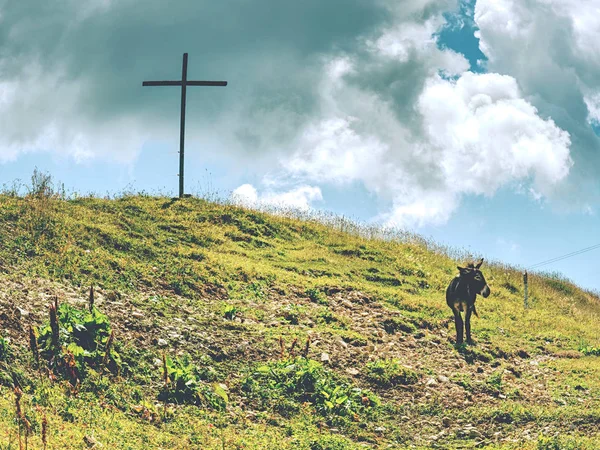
(187, 83)
(184, 83)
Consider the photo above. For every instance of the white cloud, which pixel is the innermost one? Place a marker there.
(592, 101)
(409, 40)
(420, 207)
(246, 194)
(473, 136)
(376, 113)
(584, 18)
(331, 151)
(559, 33)
(487, 136)
(551, 48)
(408, 37)
(420, 141)
(39, 114)
(300, 197)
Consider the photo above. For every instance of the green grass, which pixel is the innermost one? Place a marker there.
(389, 372)
(278, 331)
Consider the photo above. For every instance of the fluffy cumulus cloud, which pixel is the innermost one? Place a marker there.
(472, 135)
(427, 136)
(551, 48)
(486, 135)
(321, 94)
(299, 198)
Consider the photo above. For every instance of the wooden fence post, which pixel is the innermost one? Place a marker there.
(525, 289)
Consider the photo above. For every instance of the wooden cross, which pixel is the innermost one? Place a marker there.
(184, 83)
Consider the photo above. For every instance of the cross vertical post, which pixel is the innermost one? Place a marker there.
(182, 123)
(184, 83)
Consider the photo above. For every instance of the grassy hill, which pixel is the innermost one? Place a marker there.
(215, 327)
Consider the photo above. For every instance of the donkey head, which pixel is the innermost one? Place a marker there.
(475, 279)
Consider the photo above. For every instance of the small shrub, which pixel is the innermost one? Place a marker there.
(255, 291)
(305, 380)
(464, 380)
(292, 313)
(42, 185)
(39, 217)
(230, 312)
(389, 372)
(316, 296)
(75, 339)
(493, 383)
(183, 384)
(589, 350)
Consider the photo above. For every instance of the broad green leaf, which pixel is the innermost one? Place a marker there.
(75, 349)
(221, 392)
(341, 400)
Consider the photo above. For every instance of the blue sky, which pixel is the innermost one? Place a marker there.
(389, 113)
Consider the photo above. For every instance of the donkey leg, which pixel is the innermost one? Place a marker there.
(468, 325)
(458, 322)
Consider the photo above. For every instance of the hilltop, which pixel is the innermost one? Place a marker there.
(276, 332)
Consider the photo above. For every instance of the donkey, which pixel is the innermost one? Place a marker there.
(461, 295)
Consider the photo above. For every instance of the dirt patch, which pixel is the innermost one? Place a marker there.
(448, 380)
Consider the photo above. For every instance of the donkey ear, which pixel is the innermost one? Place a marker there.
(479, 263)
(462, 269)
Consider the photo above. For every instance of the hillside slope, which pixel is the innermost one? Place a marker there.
(276, 333)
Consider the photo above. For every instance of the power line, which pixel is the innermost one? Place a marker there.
(568, 255)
